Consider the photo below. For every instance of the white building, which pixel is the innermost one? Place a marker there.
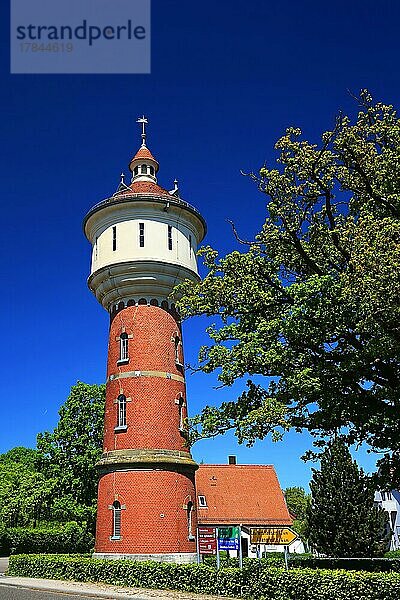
(390, 501)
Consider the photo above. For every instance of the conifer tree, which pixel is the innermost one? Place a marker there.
(342, 518)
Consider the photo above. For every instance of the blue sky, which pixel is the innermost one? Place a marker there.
(227, 78)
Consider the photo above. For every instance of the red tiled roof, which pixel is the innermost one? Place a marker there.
(143, 152)
(145, 187)
(241, 494)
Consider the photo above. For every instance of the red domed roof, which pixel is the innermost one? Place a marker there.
(145, 187)
(143, 152)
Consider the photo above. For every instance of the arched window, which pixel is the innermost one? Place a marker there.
(151, 170)
(121, 417)
(143, 169)
(136, 171)
(116, 525)
(189, 510)
(123, 347)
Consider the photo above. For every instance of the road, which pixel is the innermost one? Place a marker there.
(14, 593)
(3, 565)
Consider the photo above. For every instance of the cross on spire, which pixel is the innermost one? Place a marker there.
(143, 120)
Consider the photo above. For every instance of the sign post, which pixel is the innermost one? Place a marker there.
(286, 549)
(218, 558)
(240, 548)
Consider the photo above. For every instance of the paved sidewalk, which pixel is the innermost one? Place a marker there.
(99, 590)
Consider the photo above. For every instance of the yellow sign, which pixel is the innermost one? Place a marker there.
(274, 536)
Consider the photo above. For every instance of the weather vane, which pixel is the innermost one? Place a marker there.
(143, 120)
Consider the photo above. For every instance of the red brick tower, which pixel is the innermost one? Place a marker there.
(144, 240)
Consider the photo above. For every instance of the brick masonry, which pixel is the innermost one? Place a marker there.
(155, 498)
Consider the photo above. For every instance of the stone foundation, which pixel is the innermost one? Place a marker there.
(177, 558)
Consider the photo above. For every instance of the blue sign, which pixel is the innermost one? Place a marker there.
(228, 538)
(227, 544)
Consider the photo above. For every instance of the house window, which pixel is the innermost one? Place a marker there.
(202, 501)
(169, 237)
(114, 238)
(116, 529)
(190, 246)
(190, 520)
(136, 171)
(144, 169)
(123, 347)
(121, 406)
(141, 235)
(151, 170)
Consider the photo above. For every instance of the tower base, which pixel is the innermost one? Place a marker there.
(177, 558)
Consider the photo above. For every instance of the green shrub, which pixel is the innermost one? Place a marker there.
(69, 538)
(256, 581)
(392, 554)
(277, 559)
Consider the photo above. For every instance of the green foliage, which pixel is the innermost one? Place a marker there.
(25, 493)
(69, 454)
(342, 518)
(313, 303)
(61, 539)
(392, 554)
(298, 502)
(257, 581)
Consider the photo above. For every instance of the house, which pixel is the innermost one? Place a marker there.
(245, 495)
(390, 501)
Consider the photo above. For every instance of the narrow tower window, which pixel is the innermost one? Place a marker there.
(144, 169)
(136, 171)
(121, 417)
(141, 235)
(181, 419)
(190, 246)
(151, 170)
(190, 520)
(123, 347)
(116, 530)
(178, 351)
(169, 237)
(114, 238)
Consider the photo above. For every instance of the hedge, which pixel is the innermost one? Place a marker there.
(68, 538)
(256, 581)
(276, 559)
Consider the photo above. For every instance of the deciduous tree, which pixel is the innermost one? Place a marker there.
(70, 452)
(313, 302)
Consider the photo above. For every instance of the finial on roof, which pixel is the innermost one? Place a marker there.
(122, 178)
(175, 191)
(144, 121)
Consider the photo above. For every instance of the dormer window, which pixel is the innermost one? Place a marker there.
(202, 502)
